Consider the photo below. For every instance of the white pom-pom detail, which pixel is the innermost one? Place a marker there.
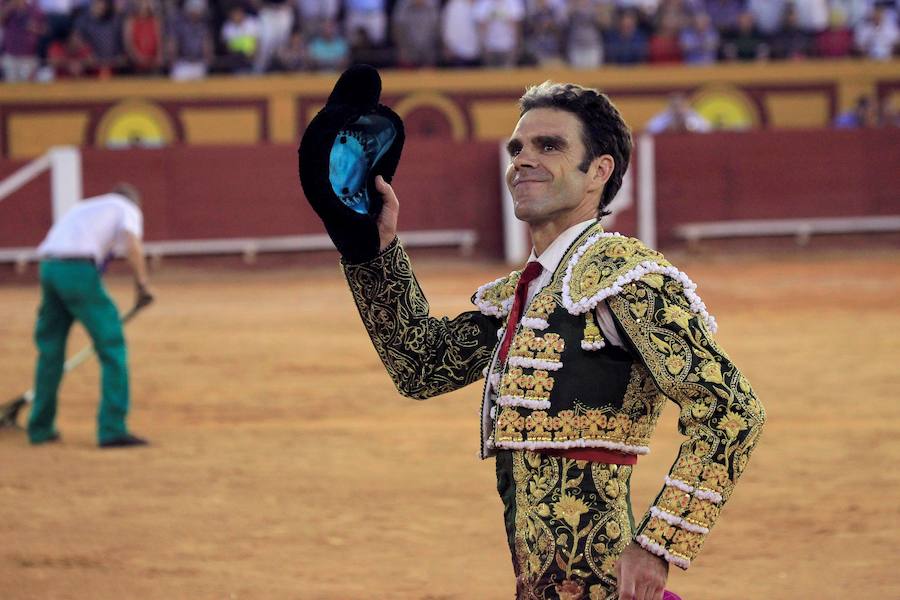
(489, 308)
(534, 323)
(495, 381)
(677, 521)
(586, 345)
(534, 363)
(585, 304)
(651, 546)
(709, 495)
(523, 402)
(579, 443)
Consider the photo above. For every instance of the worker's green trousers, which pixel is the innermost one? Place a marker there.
(72, 289)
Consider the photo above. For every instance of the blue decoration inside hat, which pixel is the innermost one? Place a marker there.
(356, 149)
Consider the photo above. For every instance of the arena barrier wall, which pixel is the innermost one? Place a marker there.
(202, 193)
(462, 105)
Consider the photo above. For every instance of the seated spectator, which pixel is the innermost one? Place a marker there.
(240, 34)
(415, 27)
(292, 56)
(674, 9)
(724, 13)
(190, 42)
(584, 42)
(143, 38)
(500, 30)
(559, 8)
(23, 27)
(664, 44)
(745, 42)
(877, 36)
(363, 51)
(328, 51)
(368, 14)
(71, 58)
(863, 114)
(605, 15)
(644, 10)
(837, 40)
(678, 117)
(812, 15)
(768, 15)
(791, 42)
(853, 12)
(101, 29)
(543, 38)
(626, 44)
(459, 34)
(312, 13)
(58, 18)
(276, 21)
(700, 41)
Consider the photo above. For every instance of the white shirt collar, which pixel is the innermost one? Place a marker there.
(551, 257)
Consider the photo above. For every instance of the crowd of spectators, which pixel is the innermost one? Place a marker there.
(187, 39)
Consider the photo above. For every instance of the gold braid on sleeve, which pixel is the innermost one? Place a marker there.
(720, 414)
(425, 356)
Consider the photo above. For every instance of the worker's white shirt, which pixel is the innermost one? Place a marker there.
(550, 260)
(96, 227)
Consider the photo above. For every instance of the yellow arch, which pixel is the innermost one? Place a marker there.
(726, 107)
(134, 118)
(446, 106)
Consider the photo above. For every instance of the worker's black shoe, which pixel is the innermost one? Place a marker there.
(124, 441)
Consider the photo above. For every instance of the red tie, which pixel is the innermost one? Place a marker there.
(532, 270)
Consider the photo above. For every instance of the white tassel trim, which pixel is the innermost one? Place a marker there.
(711, 496)
(579, 443)
(585, 345)
(678, 521)
(651, 546)
(535, 363)
(645, 268)
(488, 308)
(535, 323)
(501, 332)
(493, 413)
(495, 382)
(485, 370)
(523, 402)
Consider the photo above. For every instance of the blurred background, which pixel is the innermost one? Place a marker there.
(183, 92)
(283, 463)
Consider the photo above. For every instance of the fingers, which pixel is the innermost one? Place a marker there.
(390, 211)
(625, 582)
(386, 191)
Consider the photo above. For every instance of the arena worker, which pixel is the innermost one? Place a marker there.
(73, 257)
(580, 349)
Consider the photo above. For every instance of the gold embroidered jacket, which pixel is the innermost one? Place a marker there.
(667, 329)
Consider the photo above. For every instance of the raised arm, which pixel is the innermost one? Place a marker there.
(424, 356)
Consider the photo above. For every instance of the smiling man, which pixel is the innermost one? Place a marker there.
(580, 350)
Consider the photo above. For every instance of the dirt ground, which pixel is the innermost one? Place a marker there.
(285, 466)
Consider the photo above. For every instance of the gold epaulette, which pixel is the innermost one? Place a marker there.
(496, 298)
(606, 262)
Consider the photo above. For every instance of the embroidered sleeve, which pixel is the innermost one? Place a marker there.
(720, 414)
(425, 356)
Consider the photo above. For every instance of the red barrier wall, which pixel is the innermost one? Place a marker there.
(253, 191)
(775, 175)
(214, 192)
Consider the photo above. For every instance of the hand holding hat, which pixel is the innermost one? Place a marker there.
(346, 146)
